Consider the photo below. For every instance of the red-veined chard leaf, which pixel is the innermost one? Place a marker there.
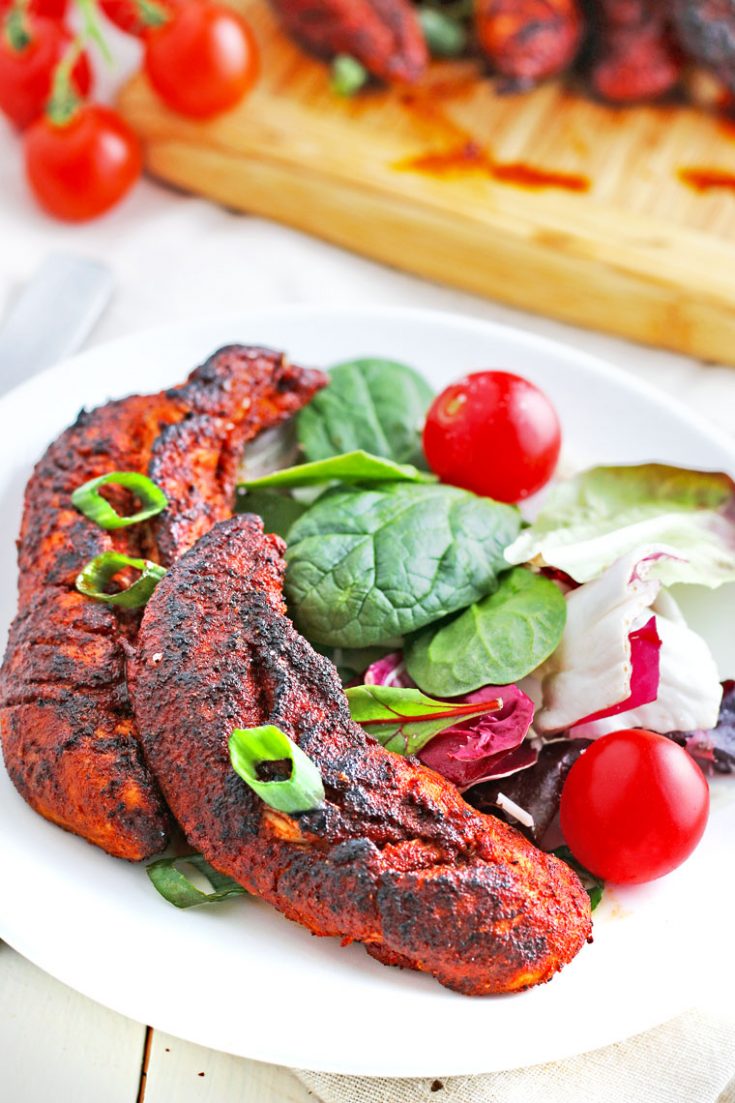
(404, 720)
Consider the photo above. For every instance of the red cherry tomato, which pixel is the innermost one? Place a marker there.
(634, 806)
(82, 168)
(26, 73)
(493, 433)
(137, 18)
(203, 61)
(52, 9)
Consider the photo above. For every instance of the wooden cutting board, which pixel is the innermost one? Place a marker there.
(622, 221)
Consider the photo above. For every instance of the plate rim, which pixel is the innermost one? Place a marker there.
(589, 362)
(593, 361)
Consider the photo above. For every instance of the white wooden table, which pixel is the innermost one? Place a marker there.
(57, 1045)
(173, 256)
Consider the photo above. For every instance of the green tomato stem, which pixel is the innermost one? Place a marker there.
(17, 29)
(91, 28)
(65, 101)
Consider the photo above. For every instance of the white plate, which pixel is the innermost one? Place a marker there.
(239, 977)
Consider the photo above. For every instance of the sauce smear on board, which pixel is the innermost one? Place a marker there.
(707, 180)
(470, 157)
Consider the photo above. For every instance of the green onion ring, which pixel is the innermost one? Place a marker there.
(179, 890)
(100, 571)
(89, 501)
(302, 792)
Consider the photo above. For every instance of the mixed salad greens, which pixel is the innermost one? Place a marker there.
(537, 659)
(495, 648)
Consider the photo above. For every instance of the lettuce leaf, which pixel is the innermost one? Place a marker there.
(390, 670)
(605, 513)
(477, 749)
(491, 746)
(689, 693)
(537, 790)
(591, 672)
(614, 668)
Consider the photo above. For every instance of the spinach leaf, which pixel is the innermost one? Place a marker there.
(349, 468)
(279, 511)
(366, 566)
(405, 720)
(351, 663)
(495, 642)
(371, 404)
(592, 884)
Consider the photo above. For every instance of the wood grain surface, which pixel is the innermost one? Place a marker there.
(56, 1046)
(427, 180)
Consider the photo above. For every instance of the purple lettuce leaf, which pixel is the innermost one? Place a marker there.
(714, 749)
(536, 790)
(490, 746)
(389, 671)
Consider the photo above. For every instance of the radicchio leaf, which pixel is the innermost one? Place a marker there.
(473, 750)
(389, 671)
(645, 651)
(689, 692)
(491, 746)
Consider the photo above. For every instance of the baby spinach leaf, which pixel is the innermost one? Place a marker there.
(496, 641)
(371, 404)
(351, 663)
(279, 511)
(591, 884)
(404, 720)
(366, 566)
(349, 468)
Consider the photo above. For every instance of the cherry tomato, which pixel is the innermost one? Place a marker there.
(203, 61)
(52, 9)
(634, 806)
(493, 433)
(136, 17)
(26, 73)
(80, 169)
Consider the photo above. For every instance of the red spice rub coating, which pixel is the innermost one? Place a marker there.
(394, 858)
(69, 739)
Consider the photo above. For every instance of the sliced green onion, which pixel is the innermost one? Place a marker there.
(90, 502)
(445, 36)
(301, 792)
(180, 891)
(349, 76)
(101, 570)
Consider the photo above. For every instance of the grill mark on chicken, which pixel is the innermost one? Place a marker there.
(394, 858)
(69, 741)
